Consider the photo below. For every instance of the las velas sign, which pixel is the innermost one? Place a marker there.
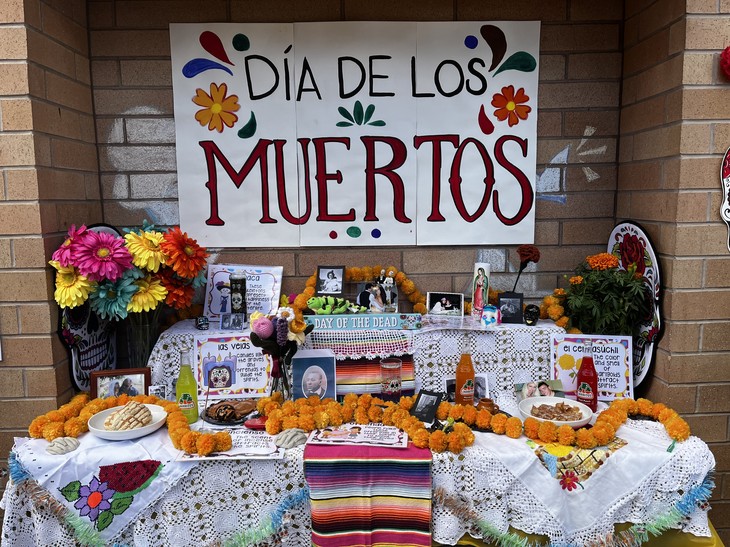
(346, 134)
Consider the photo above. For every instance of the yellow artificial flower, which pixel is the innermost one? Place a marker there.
(72, 288)
(145, 250)
(149, 294)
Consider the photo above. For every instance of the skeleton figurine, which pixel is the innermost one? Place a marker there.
(92, 342)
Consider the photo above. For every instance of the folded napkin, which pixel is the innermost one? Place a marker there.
(369, 496)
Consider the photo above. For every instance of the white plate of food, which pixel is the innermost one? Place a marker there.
(96, 424)
(558, 410)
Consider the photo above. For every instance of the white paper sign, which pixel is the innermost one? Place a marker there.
(246, 444)
(356, 133)
(611, 357)
(230, 367)
(263, 288)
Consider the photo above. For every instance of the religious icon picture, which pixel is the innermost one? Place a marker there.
(480, 289)
(330, 280)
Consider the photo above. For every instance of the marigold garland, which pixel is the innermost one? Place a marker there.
(365, 273)
(72, 418)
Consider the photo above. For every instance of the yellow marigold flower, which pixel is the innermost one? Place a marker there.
(602, 261)
(72, 288)
(555, 312)
(150, 292)
(223, 441)
(145, 250)
(576, 280)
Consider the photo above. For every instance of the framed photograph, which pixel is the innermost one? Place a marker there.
(425, 406)
(313, 373)
(539, 388)
(159, 391)
(232, 321)
(445, 303)
(115, 382)
(510, 306)
(330, 280)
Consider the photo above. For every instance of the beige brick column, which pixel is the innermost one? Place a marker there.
(49, 179)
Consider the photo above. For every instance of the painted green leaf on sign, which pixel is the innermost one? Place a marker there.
(522, 61)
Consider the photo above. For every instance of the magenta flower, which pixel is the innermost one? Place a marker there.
(64, 253)
(102, 256)
(93, 499)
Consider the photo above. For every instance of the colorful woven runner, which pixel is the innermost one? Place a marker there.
(363, 375)
(369, 496)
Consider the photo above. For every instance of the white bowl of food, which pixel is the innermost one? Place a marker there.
(558, 410)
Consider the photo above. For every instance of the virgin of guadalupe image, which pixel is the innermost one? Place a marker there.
(480, 288)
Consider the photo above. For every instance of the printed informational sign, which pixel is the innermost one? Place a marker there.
(365, 321)
(368, 434)
(611, 357)
(403, 133)
(246, 444)
(230, 367)
(263, 288)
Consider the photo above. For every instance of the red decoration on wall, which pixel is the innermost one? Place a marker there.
(725, 61)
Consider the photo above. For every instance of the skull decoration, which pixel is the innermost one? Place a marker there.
(532, 314)
(92, 342)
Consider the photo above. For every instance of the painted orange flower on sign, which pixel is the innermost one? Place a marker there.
(217, 108)
(510, 105)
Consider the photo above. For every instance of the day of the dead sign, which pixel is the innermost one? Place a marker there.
(363, 133)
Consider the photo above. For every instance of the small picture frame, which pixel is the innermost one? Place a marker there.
(426, 404)
(445, 303)
(539, 388)
(159, 391)
(330, 280)
(510, 307)
(115, 382)
(232, 321)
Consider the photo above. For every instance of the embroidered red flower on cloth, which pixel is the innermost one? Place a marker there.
(570, 481)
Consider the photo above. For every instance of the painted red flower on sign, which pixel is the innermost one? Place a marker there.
(510, 105)
(569, 481)
(632, 252)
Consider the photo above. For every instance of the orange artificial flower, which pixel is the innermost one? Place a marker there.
(510, 105)
(184, 255)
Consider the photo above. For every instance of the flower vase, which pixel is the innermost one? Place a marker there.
(280, 382)
(142, 331)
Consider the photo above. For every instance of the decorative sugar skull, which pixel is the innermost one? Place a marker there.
(92, 342)
(531, 314)
(219, 376)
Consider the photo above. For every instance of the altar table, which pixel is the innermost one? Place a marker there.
(498, 481)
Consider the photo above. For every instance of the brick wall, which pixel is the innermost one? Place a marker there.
(674, 130)
(49, 180)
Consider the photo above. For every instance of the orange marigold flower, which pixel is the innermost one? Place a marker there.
(532, 428)
(559, 293)
(421, 438)
(375, 413)
(470, 415)
(510, 105)
(644, 407)
(484, 418)
(555, 312)
(420, 308)
(35, 430)
(574, 330)
(55, 416)
(406, 402)
(73, 427)
(455, 442)
(666, 414)
(603, 433)
(52, 430)
(584, 439)
(361, 415)
(499, 423)
(407, 287)
(677, 428)
(189, 441)
(176, 436)
(544, 311)
(442, 412)
(562, 322)
(306, 423)
(289, 422)
(273, 425)
(437, 441)
(576, 280)
(368, 273)
(550, 300)
(513, 427)
(547, 432)
(657, 409)
(223, 441)
(69, 411)
(566, 435)
(205, 444)
(400, 277)
(456, 412)
(602, 261)
(183, 254)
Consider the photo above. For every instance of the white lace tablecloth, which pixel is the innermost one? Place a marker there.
(498, 479)
(507, 354)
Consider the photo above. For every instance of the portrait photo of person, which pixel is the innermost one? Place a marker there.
(314, 382)
(330, 280)
(127, 388)
(445, 303)
(116, 382)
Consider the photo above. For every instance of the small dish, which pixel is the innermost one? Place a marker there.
(96, 425)
(527, 404)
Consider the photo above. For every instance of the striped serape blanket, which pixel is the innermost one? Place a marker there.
(363, 375)
(369, 496)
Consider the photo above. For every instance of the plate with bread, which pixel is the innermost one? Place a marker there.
(130, 421)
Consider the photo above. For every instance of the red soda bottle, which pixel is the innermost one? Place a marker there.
(587, 385)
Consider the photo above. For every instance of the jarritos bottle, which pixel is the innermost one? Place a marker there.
(465, 381)
(186, 389)
(587, 384)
